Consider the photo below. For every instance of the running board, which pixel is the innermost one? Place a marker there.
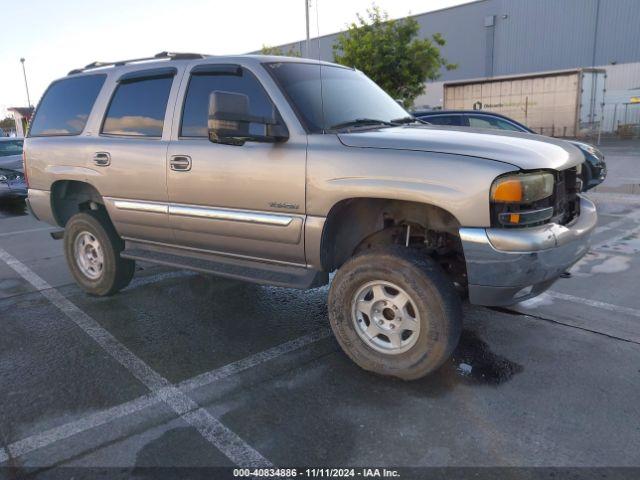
(238, 269)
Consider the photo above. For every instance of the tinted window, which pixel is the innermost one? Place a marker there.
(138, 107)
(455, 120)
(10, 147)
(196, 106)
(66, 105)
(491, 122)
(346, 95)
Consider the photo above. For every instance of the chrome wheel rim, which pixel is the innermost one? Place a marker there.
(385, 317)
(89, 256)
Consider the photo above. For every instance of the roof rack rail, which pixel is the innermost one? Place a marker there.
(158, 56)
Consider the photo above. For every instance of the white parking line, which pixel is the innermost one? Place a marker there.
(137, 282)
(621, 222)
(53, 435)
(246, 363)
(30, 230)
(67, 430)
(624, 198)
(622, 235)
(224, 439)
(594, 303)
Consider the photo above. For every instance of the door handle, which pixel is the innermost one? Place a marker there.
(180, 163)
(102, 159)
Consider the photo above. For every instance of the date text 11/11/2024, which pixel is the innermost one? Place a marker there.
(316, 472)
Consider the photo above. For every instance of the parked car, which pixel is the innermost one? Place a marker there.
(594, 169)
(12, 183)
(236, 166)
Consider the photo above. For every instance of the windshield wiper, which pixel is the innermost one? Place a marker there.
(361, 122)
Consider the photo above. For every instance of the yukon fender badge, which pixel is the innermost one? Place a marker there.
(288, 206)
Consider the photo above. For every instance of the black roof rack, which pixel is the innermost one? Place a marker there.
(158, 56)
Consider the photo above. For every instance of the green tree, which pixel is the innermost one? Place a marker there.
(8, 123)
(267, 50)
(389, 52)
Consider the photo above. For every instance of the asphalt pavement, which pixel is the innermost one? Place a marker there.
(181, 369)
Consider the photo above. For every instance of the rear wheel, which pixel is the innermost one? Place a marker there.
(395, 312)
(92, 249)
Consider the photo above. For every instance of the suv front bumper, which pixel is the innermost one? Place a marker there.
(506, 266)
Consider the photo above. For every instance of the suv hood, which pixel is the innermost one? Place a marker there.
(523, 150)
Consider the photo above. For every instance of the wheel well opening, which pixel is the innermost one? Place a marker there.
(69, 197)
(357, 224)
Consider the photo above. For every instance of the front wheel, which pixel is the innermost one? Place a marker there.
(92, 248)
(395, 312)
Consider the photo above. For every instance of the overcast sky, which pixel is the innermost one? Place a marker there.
(56, 36)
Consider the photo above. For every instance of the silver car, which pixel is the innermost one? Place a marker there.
(281, 170)
(12, 183)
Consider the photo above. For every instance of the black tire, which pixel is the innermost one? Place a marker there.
(432, 292)
(116, 272)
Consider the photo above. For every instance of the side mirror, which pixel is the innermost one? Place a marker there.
(230, 121)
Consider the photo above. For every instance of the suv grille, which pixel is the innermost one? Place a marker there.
(566, 201)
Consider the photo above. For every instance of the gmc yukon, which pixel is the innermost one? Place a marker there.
(282, 170)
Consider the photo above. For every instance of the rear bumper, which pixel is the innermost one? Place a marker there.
(506, 266)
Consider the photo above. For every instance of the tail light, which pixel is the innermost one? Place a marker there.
(24, 167)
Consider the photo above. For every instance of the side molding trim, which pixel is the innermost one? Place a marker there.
(232, 215)
(244, 216)
(150, 207)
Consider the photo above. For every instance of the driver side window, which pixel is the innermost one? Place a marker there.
(206, 79)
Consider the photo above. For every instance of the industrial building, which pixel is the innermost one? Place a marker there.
(496, 38)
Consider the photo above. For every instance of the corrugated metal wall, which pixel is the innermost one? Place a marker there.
(528, 35)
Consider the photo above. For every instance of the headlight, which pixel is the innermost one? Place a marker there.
(3, 178)
(590, 149)
(522, 199)
(522, 188)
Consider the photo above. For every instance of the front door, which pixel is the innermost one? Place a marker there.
(246, 200)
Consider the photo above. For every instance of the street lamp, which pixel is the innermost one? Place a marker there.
(26, 85)
(306, 11)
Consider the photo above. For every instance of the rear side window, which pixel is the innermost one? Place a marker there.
(455, 120)
(196, 105)
(138, 107)
(490, 122)
(66, 105)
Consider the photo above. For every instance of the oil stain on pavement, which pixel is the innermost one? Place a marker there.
(474, 359)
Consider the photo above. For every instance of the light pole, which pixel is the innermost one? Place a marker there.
(306, 10)
(26, 85)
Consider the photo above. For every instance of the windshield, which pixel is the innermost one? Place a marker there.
(10, 147)
(347, 98)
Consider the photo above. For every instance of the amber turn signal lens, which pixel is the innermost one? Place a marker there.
(522, 188)
(508, 191)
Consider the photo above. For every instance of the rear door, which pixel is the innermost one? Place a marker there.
(246, 200)
(129, 154)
